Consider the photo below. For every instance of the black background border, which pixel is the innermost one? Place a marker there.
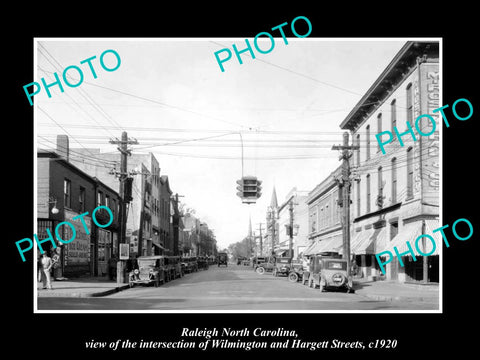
(66, 334)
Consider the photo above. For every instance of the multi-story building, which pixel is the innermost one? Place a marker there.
(293, 209)
(324, 217)
(148, 229)
(395, 195)
(64, 192)
(191, 235)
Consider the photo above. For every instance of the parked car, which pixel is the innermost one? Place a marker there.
(265, 266)
(296, 272)
(151, 269)
(175, 261)
(257, 260)
(202, 262)
(282, 266)
(329, 273)
(222, 259)
(240, 260)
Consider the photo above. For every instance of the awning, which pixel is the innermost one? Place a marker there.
(410, 233)
(333, 244)
(361, 241)
(307, 251)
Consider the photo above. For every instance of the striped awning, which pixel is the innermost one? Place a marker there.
(308, 250)
(361, 243)
(410, 232)
(333, 244)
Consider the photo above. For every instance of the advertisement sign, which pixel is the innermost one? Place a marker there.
(124, 251)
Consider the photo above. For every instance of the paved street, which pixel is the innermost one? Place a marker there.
(231, 288)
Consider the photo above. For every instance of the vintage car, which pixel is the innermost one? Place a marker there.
(282, 266)
(222, 259)
(296, 272)
(189, 264)
(202, 262)
(240, 260)
(151, 269)
(329, 273)
(265, 266)
(177, 266)
(257, 260)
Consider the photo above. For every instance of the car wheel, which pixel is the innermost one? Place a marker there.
(260, 270)
(293, 277)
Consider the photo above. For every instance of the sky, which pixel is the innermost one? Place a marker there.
(284, 106)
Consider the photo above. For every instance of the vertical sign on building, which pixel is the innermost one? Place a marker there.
(430, 100)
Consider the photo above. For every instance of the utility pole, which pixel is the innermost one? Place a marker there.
(261, 239)
(176, 224)
(290, 230)
(124, 198)
(344, 186)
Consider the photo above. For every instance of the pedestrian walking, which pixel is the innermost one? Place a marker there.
(46, 267)
(112, 267)
(56, 269)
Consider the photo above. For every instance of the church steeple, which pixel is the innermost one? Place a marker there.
(274, 202)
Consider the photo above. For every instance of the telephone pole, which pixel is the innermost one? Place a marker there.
(261, 238)
(290, 230)
(344, 187)
(176, 224)
(124, 198)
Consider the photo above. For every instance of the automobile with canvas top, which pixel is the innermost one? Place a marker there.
(151, 269)
(329, 273)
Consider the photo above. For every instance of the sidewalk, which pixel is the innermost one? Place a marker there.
(81, 287)
(384, 290)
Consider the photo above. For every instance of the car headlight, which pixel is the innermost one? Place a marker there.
(151, 271)
(136, 271)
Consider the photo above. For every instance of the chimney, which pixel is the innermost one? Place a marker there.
(62, 146)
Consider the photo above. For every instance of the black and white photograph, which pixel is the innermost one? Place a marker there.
(294, 182)
(290, 196)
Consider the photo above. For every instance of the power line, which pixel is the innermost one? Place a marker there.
(81, 91)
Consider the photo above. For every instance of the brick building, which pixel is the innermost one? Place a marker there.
(63, 192)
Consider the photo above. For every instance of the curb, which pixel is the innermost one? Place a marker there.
(398, 298)
(77, 294)
(109, 292)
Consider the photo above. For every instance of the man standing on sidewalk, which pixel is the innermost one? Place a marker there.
(46, 266)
